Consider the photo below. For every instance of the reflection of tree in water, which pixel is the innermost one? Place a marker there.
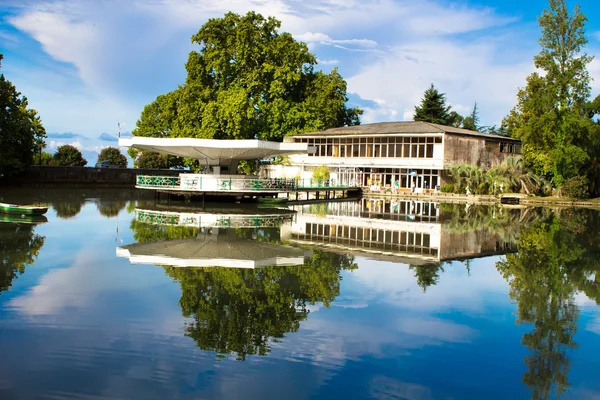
(557, 257)
(112, 208)
(240, 311)
(427, 275)
(67, 210)
(19, 246)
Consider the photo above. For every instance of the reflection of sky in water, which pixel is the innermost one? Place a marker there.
(82, 321)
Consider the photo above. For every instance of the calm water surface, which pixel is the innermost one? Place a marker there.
(117, 298)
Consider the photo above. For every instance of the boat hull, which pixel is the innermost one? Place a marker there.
(19, 210)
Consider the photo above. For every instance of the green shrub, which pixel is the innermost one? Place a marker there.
(576, 188)
(321, 172)
(447, 188)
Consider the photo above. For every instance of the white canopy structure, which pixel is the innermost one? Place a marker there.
(214, 151)
(209, 251)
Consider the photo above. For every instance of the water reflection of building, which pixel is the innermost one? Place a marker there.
(417, 231)
(212, 239)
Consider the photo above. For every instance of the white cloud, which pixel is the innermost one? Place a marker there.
(328, 62)
(127, 55)
(347, 44)
(465, 72)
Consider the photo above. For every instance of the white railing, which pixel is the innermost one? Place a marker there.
(211, 220)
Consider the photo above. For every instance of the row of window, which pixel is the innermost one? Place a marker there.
(514, 148)
(406, 242)
(398, 147)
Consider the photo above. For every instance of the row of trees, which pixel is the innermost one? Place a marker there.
(70, 156)
(247, 81)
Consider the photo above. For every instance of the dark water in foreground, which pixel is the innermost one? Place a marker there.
(347, 300)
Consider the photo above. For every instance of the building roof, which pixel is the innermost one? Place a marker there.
(214, 151)
(402, 127)
(213, 251)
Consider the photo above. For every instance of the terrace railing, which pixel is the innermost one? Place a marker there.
(158, 182)
(195, 183)
(210, 221)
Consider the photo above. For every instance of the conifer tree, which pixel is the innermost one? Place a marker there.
(433, 108)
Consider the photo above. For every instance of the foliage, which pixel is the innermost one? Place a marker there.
(43, 158)
(241, 311)
(68, 156)
(447, 188)
(576, 188)
(22, 134)
(472, 121)
(19, 247)
(558, 257)
(150, 160)
(248, 167)
(427, 275)
(67, 209)
(508, 177)
(113, 155)
(249, 81)
(433, 108)
(110, 209)
(321, 172)
(553, 116)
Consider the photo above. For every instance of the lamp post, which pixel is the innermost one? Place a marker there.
(120, 124)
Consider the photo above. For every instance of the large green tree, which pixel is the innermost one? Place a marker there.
(21, 131)
(433, 108)
(554, 116)
(114, 155)
(68, 156)
(248, 80)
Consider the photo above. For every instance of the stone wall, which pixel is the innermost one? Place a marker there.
(81, 176)
(483, 152)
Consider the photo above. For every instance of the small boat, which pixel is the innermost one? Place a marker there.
(22, 210)
(23, 219)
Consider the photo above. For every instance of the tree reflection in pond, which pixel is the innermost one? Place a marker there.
(557, 258)
(19, 247)
(242, 311)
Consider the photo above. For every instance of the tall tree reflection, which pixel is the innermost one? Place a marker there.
(557, 258)
(19, 247)
(242, 311)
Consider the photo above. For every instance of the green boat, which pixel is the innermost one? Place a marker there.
(22, 210)
(23, 219)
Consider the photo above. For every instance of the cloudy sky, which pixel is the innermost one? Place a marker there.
(87, 65)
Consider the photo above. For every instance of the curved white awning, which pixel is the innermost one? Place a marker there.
(214, 151)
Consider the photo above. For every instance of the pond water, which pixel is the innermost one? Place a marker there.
(116, 297)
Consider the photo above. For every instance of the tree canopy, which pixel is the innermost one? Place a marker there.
(247, 80)
(554, 115)
(114, 155)
(21, 131)
(68, 156)
(433, 108)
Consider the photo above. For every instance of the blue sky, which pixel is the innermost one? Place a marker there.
(87, 65)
